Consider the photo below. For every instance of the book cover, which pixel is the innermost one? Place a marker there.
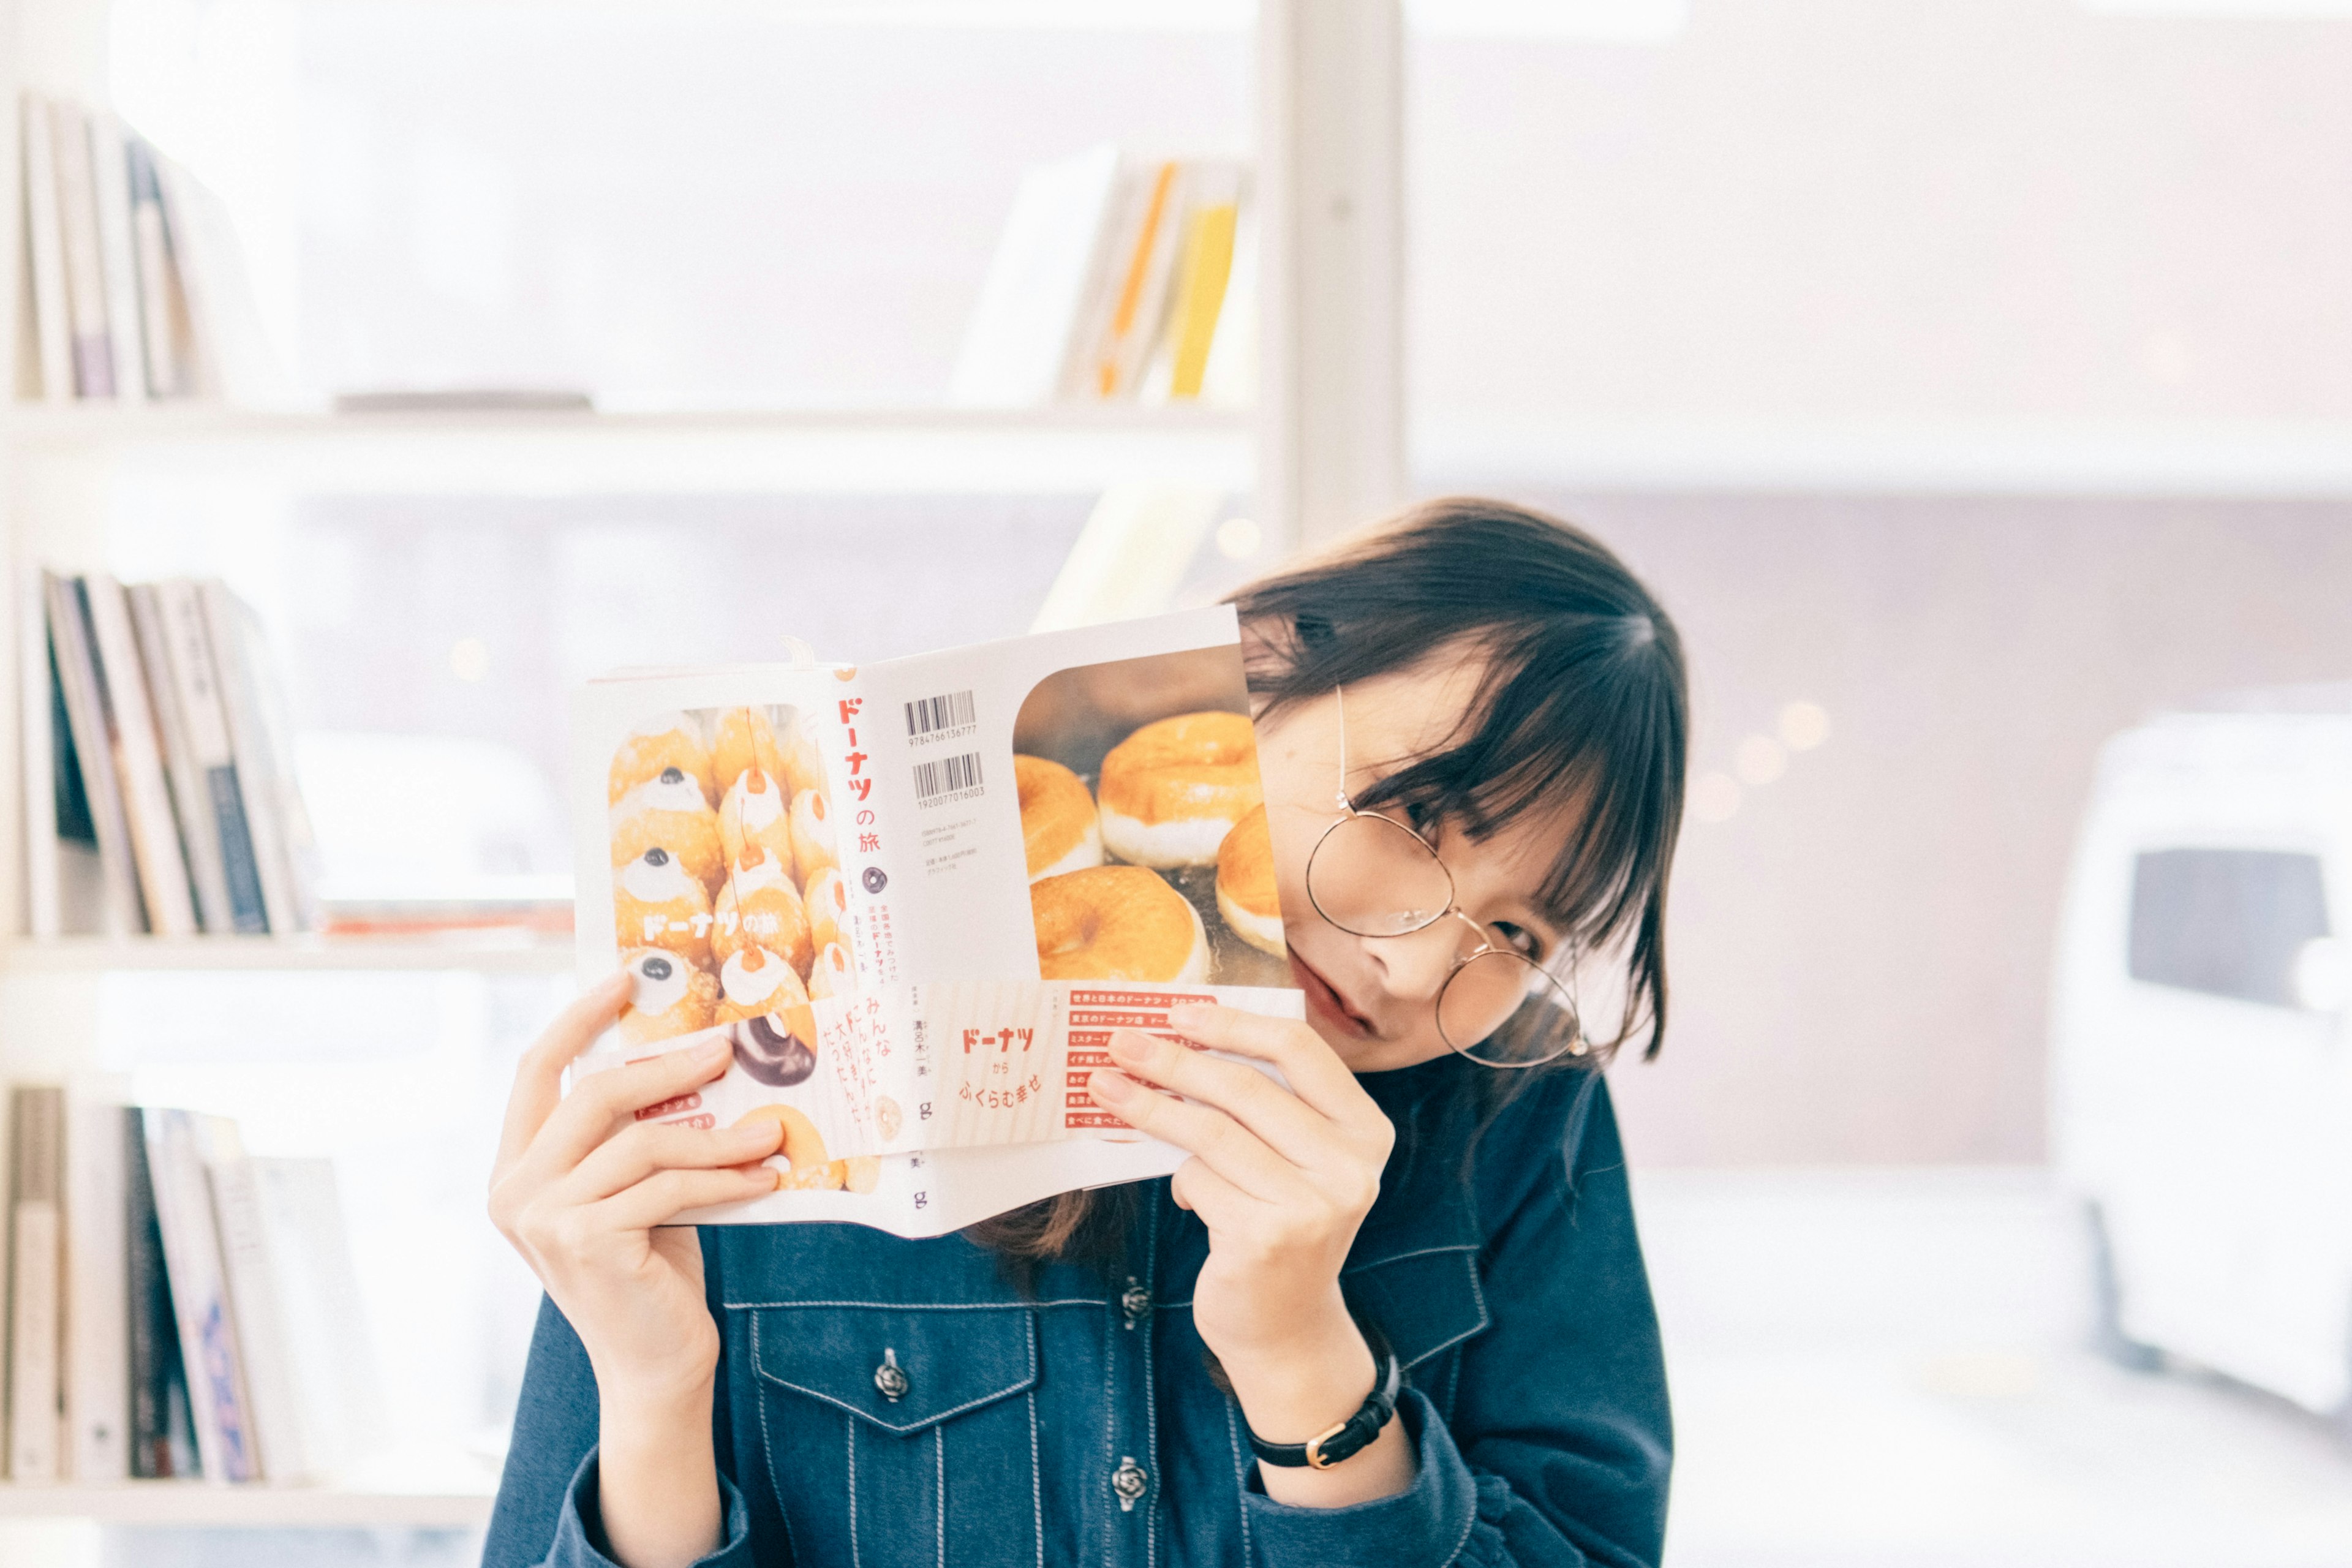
(162, 1432)
(1133, 298)
(234, 358)
(97, 1286)
(1018, 344)
(236, 677)
(916, 896)
(45, 247)
(279, 1451)
(93, 348)
(110, 163)
(36, 1409)
(201, 1308)
(222, 802)
(163, 302)
(137, 760)
(122, 912)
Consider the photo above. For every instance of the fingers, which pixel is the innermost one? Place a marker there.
(638, 1151)
(1198, 1187)
(663, 1195)
(586, 1118)
(538, 1077)
(1237, 1155)
(1296, 1131)
(1316, 1073)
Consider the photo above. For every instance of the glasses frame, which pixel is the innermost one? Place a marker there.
(1576, 1044)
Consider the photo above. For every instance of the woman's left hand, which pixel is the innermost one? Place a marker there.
(1282, 1178)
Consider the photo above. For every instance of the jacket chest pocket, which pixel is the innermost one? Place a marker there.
(891, 1431)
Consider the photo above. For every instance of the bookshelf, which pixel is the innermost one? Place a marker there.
(1321, 449)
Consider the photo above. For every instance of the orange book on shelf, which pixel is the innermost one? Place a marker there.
(1141, 285)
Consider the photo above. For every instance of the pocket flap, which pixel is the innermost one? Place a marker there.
(1423, 1301)
(949, 1360)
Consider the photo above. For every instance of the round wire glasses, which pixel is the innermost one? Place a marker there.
(1370, 874)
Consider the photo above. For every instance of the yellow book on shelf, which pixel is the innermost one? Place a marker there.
(1201, 293)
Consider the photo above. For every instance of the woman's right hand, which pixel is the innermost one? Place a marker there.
(582, 1183)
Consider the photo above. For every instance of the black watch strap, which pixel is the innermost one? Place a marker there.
(1350, 1436)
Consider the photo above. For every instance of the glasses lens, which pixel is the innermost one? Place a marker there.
(1500, 1009)
(1372, 877)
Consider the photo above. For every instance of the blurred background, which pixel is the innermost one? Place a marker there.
(1973, 383)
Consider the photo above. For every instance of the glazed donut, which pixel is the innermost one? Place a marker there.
(1171, 791)
(798, 763)
(668, 997)
(753, 812)
(825, 897)
(1117, 923)
(671, 739)
(833, 973)
(1059, 827)
(812, 831)
(1245, 887)
(656, 904)
(667, 811)
(757, 907)
(757, 983)
(741, 739)
(803, 1148)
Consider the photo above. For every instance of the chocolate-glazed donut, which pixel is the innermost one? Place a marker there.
(771, 1052)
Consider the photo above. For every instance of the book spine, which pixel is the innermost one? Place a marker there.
(159, 1395)
(234, 677)
(138, 763)
(36, 706)
(190, 797)
(200, 1301)
(35, 1280)
(97, 1291)
(197, 680)
(94, 752)
(93, 352)
(161, 304)
(1141, 289)
(45, 245)
(110, 185)
(277, 1416)
(1199, 293)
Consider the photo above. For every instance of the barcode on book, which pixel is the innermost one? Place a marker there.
(928, 716)
(949, 778)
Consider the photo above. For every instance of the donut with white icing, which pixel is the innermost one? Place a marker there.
(755, 811)
(668, 812)
(672, 740)
(656, 904)
(668, 997)
(756, 907)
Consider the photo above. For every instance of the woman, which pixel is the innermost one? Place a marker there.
(1415, 1264)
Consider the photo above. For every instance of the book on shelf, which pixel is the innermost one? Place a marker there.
(137, 286)
(914, 897)
(147, 1244)
(1111, 283)
(155, 746)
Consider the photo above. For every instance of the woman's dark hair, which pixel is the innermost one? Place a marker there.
(1581, 709)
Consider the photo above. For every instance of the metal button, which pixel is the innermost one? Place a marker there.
(890, 1377)
(1135, 1301)
(1131, 1482)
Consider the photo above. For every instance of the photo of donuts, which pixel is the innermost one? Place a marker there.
(1144, 825)
(727, 896)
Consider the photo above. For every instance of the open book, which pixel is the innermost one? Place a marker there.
(918, 897)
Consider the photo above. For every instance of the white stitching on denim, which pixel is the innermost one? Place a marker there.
(993, 1394)
(1110, 1431)
(940, 1463)
(923, 1306)
(1241, 1476)
(1148, 1347)
(768, 1452)
(852, 1425)
(1037, 1484)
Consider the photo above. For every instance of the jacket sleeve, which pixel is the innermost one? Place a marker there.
(546, 1511)
(1548, 1444)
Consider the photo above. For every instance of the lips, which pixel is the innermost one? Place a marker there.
(1326, 998)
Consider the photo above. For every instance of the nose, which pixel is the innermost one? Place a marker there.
(1415, 966)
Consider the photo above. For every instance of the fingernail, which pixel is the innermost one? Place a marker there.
(1128, 1044)
(714, 1051)
(1107, 1085)
(1186, 1014)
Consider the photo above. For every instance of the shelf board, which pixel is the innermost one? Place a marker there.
(198, 1503)
(737, 450)
(486, 953)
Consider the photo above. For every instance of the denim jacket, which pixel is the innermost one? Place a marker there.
(1077, 1420)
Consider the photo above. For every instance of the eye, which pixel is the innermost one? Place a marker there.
(1519, 939)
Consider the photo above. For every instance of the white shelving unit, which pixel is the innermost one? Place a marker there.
(1322, 450)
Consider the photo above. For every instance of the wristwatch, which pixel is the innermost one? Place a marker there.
(1350, 1436)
